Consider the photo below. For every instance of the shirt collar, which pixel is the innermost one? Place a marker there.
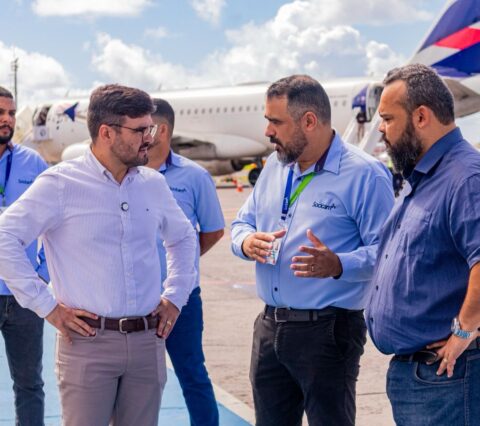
(8, 151)
(329, 161)
(101, 169)
(172, 160)
(435, 154)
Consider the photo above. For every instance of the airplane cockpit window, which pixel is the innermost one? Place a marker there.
(40, 115)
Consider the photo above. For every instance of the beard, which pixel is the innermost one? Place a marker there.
(289, 152)
(126, 154)
(6, 139)
(405, 152)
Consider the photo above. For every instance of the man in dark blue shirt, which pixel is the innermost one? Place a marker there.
(425, 302)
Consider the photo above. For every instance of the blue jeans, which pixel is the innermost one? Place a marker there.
(22, 331)
(420, 397)
(184, 345)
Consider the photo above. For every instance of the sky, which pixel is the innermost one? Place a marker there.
(65, 48)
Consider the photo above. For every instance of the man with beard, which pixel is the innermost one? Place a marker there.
(195, 192)
(99, 216)
(425, 302)
(21, 328)
(311, 224)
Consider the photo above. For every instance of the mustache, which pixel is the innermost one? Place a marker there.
(144, 145)
(276, 141)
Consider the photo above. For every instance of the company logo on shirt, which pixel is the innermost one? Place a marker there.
(174, 188)
(323, 206)
(25, 181)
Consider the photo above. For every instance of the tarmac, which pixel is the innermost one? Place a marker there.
(230, 307)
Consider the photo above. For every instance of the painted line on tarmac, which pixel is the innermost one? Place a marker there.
(230, 402)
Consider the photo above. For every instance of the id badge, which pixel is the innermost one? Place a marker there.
(272, 258)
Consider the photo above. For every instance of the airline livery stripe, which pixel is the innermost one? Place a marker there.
(461, 39)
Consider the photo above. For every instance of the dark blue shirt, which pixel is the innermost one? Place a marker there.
(428, 245)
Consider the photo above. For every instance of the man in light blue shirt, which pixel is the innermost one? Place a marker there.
(21, 328)
(311, 224)
(195, 193)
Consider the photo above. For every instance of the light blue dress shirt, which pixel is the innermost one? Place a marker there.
(194, 190)
(345, 205)
(26, 165)
(100, 239)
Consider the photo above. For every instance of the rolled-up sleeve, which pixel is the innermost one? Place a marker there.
(370, 215)
(244, 225)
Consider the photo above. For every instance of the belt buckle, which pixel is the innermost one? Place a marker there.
(121, 321)
(276, 315)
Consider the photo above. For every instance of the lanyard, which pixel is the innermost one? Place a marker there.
(168, 163)
(8, 168)
(288, 199)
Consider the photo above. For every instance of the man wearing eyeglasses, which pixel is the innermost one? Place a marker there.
(194, 190)
(99, 216)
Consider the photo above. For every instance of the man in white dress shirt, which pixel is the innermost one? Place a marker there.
(98, 216)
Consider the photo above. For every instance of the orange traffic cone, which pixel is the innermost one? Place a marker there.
(238, 185)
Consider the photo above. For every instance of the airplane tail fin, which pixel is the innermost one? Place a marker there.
(452, 47)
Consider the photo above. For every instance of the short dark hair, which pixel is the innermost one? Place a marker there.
(109, 104)
(4, 93)
(424, 87)
(164, 110)
(303, 94)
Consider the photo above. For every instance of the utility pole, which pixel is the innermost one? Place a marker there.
(14, 66)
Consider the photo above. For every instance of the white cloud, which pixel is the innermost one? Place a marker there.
(208, 10)
(381, 58)
(158, 33)
(135, 66)
(40, 77)
(89, 7)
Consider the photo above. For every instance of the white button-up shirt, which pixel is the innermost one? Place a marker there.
(100, 241)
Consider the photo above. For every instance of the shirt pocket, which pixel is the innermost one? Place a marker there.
(416, 225)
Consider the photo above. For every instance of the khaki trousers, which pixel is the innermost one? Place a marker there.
(111, 379)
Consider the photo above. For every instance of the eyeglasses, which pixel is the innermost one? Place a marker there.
(145, 131)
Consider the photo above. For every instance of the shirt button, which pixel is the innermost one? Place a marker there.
(398, 226)
(371, 319)
(386, 256)
(275, 288)
(376, 287)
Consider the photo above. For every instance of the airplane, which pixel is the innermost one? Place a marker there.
(223, 127)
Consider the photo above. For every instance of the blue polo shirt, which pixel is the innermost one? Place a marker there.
(195, 192)
(428, 245)
(26, 165)
(345, 205)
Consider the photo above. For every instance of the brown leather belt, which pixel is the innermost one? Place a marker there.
(430, 356)
(124, 325)
(298, 315)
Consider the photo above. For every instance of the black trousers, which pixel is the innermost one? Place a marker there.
(307, 366)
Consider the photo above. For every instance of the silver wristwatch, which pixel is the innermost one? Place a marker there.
(457, 330)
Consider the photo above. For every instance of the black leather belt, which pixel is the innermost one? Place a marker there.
(425, 356)
(298, 315)
(124, 325)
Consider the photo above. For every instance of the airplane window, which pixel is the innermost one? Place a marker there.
(233, 109)
(240, 109)
(203, 110)
(195, 111)
(335, 103)
(344, 103)
(263, 107)
(218, 110)
(188, 112)
(210, 110)
(225, 109)
(247, 108)
(181, 112)
(255, 108)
